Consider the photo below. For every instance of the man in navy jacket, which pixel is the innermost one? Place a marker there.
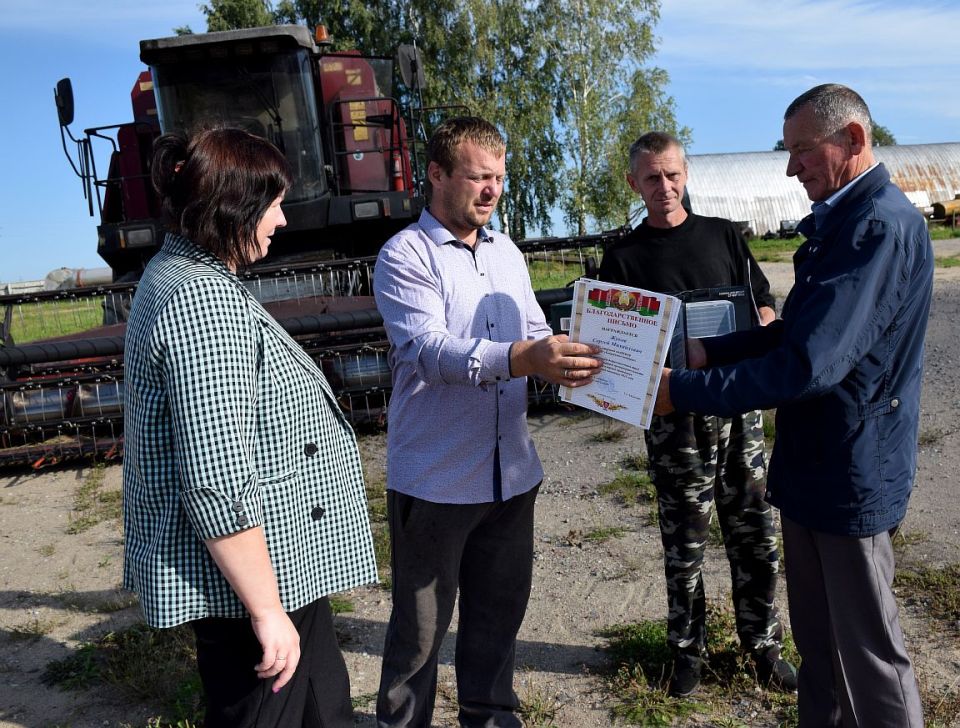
(843, 368)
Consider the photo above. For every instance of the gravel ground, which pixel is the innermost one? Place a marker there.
(58, 590)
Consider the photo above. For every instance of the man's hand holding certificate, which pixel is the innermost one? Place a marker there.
(633, 328)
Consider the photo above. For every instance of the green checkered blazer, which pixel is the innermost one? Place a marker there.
(230, 425)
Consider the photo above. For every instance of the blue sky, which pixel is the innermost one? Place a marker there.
(734, 66)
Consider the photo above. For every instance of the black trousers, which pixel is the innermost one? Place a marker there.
(484, 551)
(318, 695)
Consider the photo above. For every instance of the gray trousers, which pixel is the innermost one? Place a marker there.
(485, 551)
(855, 671)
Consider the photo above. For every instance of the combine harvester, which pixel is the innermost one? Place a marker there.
(357, 158)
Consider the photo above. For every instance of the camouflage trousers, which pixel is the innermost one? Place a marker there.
(694, 461)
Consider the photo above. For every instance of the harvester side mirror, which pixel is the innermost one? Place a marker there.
(411, 67)
(63, 95)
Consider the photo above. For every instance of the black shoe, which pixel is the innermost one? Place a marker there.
(775, 673)
(686, 676)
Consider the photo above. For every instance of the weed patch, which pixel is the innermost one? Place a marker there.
(951, 261)
(635, 462)
(599, 534)
(639, 672)
(92, 504)
(932, 436)
(362, 700)
(539, 709)
(940, 709)
(144, 664)
(33, 629)
(769, 427)
(609, 433)
(630, 488)
(339, 605)
(937, 590)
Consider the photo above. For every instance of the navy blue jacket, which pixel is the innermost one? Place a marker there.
(842, 367)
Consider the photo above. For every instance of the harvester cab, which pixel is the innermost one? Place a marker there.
(333, 115)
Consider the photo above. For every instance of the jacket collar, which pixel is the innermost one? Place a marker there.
(865, 188)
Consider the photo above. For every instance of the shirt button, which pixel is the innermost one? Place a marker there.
(242, 520)
(895, 403)
(317, 513)
(238, 506)
(809, 278)
(310, 449)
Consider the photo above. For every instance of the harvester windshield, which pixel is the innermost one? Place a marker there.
(268, 95)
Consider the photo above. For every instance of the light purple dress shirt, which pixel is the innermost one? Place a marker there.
(457, 426)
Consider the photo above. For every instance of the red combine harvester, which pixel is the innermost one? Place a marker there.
(357, 169)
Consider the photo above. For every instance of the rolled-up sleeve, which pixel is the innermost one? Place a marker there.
(210, 352)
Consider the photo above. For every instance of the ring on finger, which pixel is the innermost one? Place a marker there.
(281, 657)
(566, 373)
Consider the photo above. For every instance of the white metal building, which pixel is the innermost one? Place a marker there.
(753, 186)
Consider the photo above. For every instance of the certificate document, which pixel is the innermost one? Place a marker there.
(633, 328)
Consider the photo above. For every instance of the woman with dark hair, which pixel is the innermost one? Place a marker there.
(244, 502)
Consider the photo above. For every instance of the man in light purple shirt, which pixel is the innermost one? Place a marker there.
(465, 331)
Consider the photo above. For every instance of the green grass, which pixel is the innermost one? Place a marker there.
(546, 274)
(630, 488)
(635, 462)
(539, 709)
(363, 699)
(936, 589)
(601, 534)
(639, 668)
(339, 605)
(34, 321)
(943, 232)
(32, 630)
(776, 250)
(143, 664)
(609, 433)
(92, 504)
(769, 427)
(948, 262)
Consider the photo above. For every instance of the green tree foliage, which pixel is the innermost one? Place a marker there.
(882, 136)
(232, 14)
(606, 98)
(565, 80)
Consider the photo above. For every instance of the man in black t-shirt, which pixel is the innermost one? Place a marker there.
(695, 460)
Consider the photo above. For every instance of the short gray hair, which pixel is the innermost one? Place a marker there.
(655, 142)
(834, 106)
